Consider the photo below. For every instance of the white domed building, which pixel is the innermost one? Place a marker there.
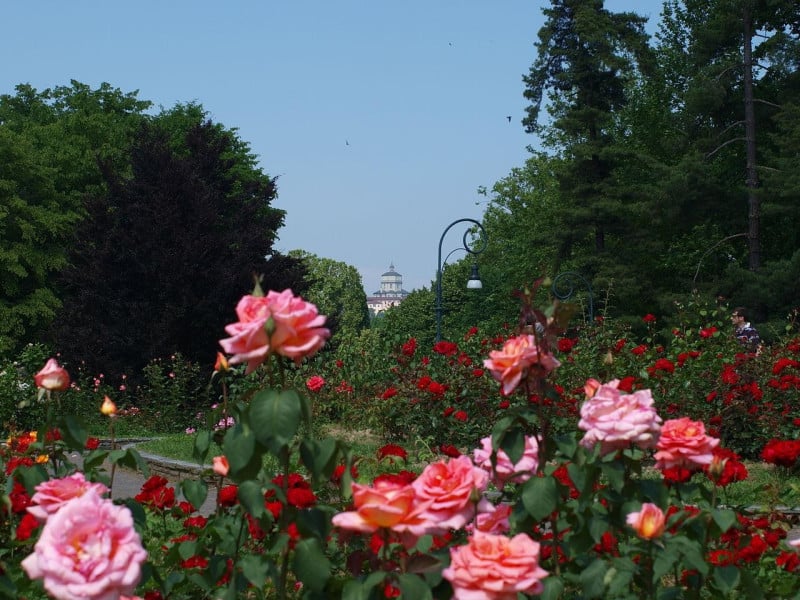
(390, 294)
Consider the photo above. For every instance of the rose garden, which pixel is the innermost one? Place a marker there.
(560, 461)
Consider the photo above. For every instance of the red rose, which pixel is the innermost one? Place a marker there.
(781, 452)
(227, 496)
(648, 318)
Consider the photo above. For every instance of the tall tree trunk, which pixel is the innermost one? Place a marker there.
(753, 200)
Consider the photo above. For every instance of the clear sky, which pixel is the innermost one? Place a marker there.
(380, 118)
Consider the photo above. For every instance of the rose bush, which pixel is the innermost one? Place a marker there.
(533, 509)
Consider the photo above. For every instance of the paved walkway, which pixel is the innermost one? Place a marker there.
(128, 483)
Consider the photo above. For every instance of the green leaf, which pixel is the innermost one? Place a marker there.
(251, 496)
(255, 568)
(319, 457)
(513, 443)
(202, 442)
(615, 473)
(540, 497)
(75, 433)
(275, 418)
(314, 522)
(414, 587)
(238, 446)
(726, 578)
(173, 579)
(310, 564)
(592, 579)
(724, 518)
(553, 588)
(195, 491)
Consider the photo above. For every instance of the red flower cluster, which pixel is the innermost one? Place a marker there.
(648, 318)
(661, 364)
(781, 452)
(392, 450)
(725, 468)
(409, 347)
(566, 344)
(445, 348)
(708, 332)
(156, 494)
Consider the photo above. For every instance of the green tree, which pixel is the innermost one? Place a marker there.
(588, 58)
(336, 289)
(53, 144)
(165, 254)
(33, 226)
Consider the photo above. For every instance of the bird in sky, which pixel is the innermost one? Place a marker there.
(509, 118)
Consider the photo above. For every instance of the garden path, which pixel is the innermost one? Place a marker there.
(128, 482)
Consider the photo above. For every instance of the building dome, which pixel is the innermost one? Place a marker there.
(390, 293)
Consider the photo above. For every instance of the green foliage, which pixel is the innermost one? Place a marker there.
(337, 291)
(155, 267)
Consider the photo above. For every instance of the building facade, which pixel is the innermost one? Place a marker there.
(390, 294)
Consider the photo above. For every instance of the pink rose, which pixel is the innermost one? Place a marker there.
(277, 323)
(616, 420)
(518, 354)
(52, 377)
(495, 567)
(684, 443)
(88, 549)
(453, 490)
(299, 330)
(649, 522)
(52, 494)
(495, 521)
(248, 343)
(504, 470)
(387, 504)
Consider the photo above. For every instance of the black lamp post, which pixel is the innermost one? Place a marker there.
(564, 287)
(474, 282)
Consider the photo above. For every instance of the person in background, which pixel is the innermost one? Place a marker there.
(745, 333)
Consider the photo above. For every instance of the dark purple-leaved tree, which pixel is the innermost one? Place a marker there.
(164, 255)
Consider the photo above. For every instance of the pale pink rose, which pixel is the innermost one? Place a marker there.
(52, 494)
(504, 470)
(684, 443)
(220, 465)
(388, 505)
(615, 420)
(299, 330)
(454, 492)
(52, 377)
(649, 522)
(517, 355)
(495, 567)
(496, 521)
(88, 549)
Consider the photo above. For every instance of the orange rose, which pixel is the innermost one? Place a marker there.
(648, 522)
(387, 504)
(517, 355)
(684, 443)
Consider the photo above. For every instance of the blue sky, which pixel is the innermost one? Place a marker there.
(380, 118)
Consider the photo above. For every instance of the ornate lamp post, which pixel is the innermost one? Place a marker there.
(569, 279)
(474, 282)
